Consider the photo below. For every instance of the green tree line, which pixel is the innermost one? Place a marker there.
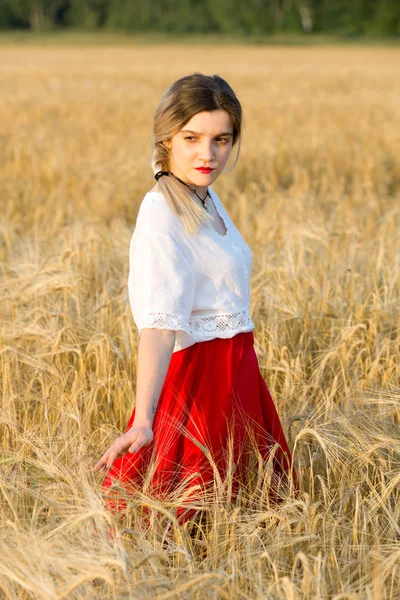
(250, 17)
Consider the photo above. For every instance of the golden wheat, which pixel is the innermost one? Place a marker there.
(316, 195)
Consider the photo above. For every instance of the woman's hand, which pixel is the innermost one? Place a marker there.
(136, 437)
(154, 355)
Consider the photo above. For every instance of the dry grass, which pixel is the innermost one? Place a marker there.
(316, 194)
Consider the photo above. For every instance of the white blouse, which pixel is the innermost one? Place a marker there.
(197, 285)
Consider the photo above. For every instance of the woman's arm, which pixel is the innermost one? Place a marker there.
(154, 355)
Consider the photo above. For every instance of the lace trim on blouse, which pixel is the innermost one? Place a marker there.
(210, 324)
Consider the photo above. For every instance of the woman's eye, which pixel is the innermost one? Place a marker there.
(191, 138)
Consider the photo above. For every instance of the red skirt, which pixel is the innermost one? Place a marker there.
(214, 414)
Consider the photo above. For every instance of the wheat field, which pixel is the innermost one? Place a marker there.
(316, 194)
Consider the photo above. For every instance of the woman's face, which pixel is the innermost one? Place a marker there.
(205, 141)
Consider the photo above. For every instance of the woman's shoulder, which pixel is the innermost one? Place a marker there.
(155, 216)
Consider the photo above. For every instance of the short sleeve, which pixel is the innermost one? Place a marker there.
(161, 282)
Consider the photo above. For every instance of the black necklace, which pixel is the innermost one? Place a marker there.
(203, 200)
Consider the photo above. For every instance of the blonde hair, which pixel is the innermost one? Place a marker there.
(185, 98)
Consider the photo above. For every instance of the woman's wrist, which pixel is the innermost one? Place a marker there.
(142, 421)
(144, 414)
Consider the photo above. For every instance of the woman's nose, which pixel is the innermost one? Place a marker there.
(206, 151)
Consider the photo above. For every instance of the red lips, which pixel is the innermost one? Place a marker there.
(204, 170)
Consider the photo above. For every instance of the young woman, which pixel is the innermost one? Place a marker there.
(203, 410)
